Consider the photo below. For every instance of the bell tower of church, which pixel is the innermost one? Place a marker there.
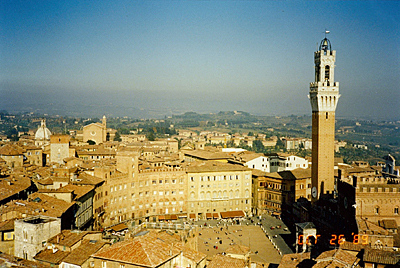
(324, 95)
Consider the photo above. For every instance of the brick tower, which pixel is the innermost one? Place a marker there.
(324, 95)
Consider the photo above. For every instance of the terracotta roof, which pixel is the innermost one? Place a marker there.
(12, 261)
(207, 155)
(11, 149)
(48, 181)
(7, 225)
(365, 226)
(67, 238)
(214, 166)
(221, 261)
(86, 179)
(11, 185)
(52, 206)
(293, 260)
(80, 191)
(246, 156)
(381, 257)
(238, 249)
(193, 255)
(389, 224)
(340, 257)
(143, 250)
(53, 256)
(82, 253)
(167, 236)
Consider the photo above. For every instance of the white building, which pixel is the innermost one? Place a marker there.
(281, 162)
(269, 163)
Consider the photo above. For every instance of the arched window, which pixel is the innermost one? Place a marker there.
(327, 69)
(376, 210)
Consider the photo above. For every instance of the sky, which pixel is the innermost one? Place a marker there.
(155, 58)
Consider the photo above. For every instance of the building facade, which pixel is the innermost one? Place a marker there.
(31, 235)
(59, 148)
(215, 187)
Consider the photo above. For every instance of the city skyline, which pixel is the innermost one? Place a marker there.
(72, 57)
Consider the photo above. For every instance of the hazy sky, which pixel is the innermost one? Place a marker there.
(123, 57)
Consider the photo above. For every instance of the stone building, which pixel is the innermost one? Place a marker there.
(34, 155)
(268, 195)
(98, 132)
(31, 235)
(13, 155)
(59, 148)
(215, 187)
(137, 194)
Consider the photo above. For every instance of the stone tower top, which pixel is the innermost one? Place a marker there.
(324, 91)
(325, 45)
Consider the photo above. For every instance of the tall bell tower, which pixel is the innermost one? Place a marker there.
(324, 95)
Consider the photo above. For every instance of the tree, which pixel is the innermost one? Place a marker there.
(117, 137)
(150, 136)
(258, 146)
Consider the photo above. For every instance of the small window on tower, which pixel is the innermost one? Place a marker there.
(327, 74)
(326, 115)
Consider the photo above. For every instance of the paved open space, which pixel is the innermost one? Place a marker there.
(250, 236)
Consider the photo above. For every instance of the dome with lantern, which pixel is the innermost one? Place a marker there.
(42, 135)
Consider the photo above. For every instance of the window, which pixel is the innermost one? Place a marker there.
(327, 73)
(396, 210)
(104, 264)
(376, 210)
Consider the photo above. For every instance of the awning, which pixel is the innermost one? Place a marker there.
(215, 215)
(161, 217)
(192, 216)
(169, 217)
(232, 214)
(119, 227)
(208, 215)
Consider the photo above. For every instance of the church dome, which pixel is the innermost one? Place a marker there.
(43, 133)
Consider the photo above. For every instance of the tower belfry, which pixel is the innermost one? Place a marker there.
(324, 95)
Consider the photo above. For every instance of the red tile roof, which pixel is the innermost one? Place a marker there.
(144, 251)
(82, 253)
(220, 261)
(53, 256)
